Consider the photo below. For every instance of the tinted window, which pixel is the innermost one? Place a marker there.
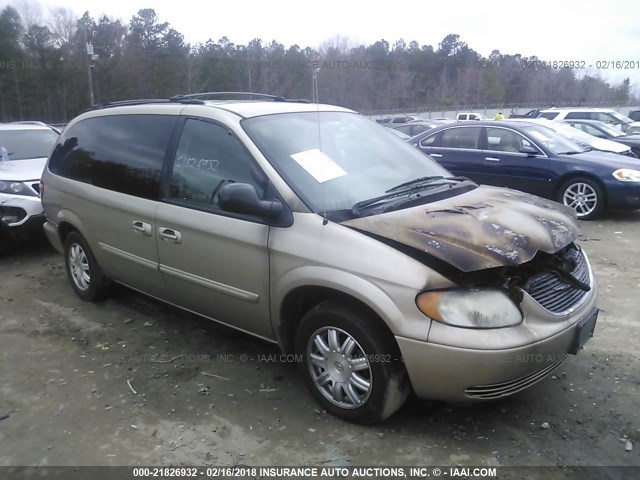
(464, 137)
(417, 129)
(429, 141)
(23, 144)
(549, 115)
(405, 129)
(503, 140)
(122, 153)
(579, 115)
(208, 157)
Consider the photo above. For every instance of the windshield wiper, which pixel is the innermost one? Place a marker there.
(573, 152)
(398, 193)
(415, 181)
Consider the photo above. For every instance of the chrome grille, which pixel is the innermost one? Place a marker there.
(497, 390)
(553, 293)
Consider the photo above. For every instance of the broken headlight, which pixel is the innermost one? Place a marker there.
(470, 308)
(15, 188)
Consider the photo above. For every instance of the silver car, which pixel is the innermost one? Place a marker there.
(25, 146)
(312, 227)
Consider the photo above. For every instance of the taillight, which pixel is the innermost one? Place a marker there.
(41, 189)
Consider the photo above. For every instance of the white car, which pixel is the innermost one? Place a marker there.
(605, 115)
(463, 116)
(581, 137)
(27, 144)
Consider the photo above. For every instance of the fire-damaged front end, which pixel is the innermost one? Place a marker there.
(524, 295)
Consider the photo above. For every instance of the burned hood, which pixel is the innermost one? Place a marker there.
(485, 228)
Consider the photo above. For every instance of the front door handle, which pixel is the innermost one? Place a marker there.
(492, 159)
(436, 155)
(169, 235)
(142, 227)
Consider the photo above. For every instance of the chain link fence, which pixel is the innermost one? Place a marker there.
(490, 109)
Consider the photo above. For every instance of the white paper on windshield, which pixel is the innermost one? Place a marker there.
(318, 165)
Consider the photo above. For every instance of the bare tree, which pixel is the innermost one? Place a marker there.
(62, 25)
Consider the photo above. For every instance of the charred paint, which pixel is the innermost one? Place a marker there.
(485, 228)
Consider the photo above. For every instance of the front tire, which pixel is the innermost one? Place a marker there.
(83, 271)
(584, 195)
(351, 366)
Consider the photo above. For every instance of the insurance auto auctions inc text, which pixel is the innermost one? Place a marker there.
(371, 473)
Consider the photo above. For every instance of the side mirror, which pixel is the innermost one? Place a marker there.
(530, 151)
(243, 198)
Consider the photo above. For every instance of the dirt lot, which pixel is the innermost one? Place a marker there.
(208, 395)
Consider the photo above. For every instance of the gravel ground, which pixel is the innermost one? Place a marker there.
(132, 381)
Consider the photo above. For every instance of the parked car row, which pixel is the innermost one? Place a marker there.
(581, 137)
(534, 158)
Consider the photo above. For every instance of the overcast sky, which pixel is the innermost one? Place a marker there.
(585, 30)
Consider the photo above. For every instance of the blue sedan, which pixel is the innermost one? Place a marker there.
(535, 159)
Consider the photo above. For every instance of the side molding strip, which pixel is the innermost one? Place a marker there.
(206, 283)
(128, 256)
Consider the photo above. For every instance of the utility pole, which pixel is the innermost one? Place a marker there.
(89, 58)
(314, 85)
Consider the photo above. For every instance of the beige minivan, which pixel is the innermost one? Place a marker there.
(313, 227)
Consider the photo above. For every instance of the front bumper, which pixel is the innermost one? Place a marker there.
(29, 228)
(623, 195)
(18, 210)
(443, 372)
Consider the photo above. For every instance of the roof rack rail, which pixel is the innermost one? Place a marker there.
(143, 101)
(275, 98)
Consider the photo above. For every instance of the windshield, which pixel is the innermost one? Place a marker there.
(614, 132)
(622, 118)
(573, 133)
(25, 144)
(552, 141)
(334, 160)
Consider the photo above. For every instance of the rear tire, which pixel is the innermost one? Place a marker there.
(584, 195)
(83, 271)
(351, 366)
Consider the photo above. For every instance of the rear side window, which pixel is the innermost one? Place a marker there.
(549, 115)
(123, 153)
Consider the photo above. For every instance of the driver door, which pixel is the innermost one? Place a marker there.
(213, 262)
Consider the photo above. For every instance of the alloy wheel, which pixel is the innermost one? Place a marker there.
(582, 197)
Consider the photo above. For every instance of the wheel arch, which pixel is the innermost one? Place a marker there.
(68, 222)
(580, 174)
(298, 297)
